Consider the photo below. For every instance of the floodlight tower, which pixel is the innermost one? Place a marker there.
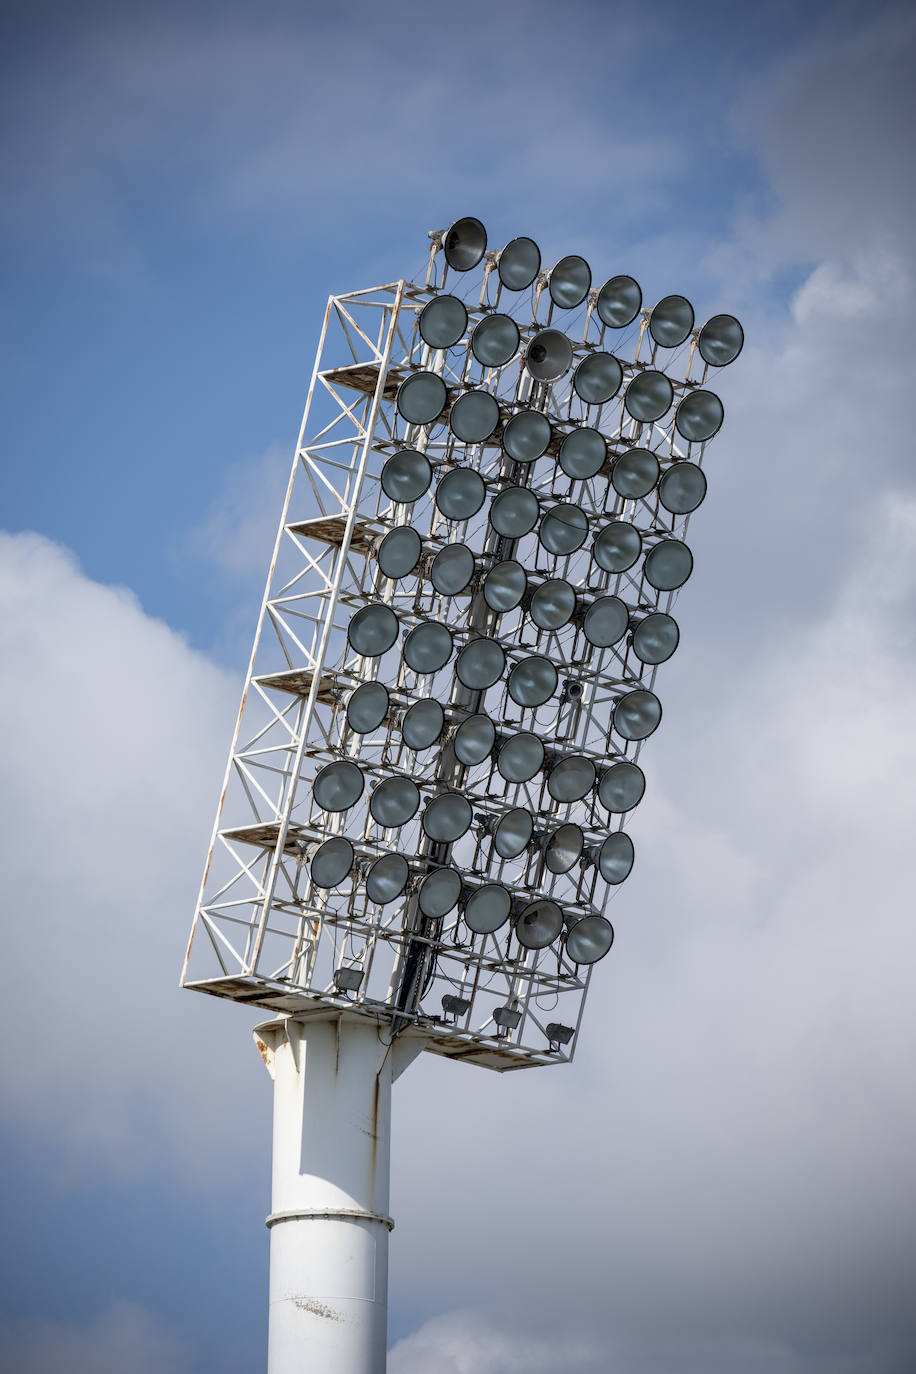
(422, 819)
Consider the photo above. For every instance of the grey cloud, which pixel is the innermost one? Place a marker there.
(124, 1337)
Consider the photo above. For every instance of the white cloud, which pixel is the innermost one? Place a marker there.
(125, 1337)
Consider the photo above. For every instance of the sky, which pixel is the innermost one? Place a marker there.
(724, 1179)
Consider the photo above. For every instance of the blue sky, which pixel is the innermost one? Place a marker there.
(182, 188)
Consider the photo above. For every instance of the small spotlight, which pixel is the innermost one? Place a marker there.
(506, 1018)
(347, 979)
(559, 1035)
(455, 1006)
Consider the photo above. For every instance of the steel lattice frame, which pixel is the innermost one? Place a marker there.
(263, 932)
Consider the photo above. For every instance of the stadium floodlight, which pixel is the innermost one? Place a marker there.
(439, 744)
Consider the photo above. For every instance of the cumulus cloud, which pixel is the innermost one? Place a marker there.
(123, 1338)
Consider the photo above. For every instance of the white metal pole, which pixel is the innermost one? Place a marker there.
(329, 1221)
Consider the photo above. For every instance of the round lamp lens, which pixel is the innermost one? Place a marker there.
(452, 569)
(635, 474)
(617, 546)
(421, 398)
(571, 779)
(394, 802)
(504, 586)
(589, 939)
(606, 622)
(637, 714)
(512, 834)
(597, 378)
(487, 909)
(539, 924)
(460, 494)
(519, 264)
(447, 818)
(331, 862)
(495, 340)
(367, 707)
(721, 340)
(649, 396)
(552, 604)
(655, 638)
(569, 282)
(527, 436)
(439, 892)
(373, 630)
(465, 244)
(583, 453)
(520, 757)
(399, 552)
(619, 302)
(480, 664)
(422, 724)
(563, 529)
(443, 321)
(549, 355)
(387, 878)
(514, 512)
(699, 416)
(564, 849)
(615, 857)
(532, 681)
(406, 476)
(621, 787)
(428, 647)
(671, 321)
(474, 739)
(338, 785)
(668, 565)
(474, 416)
(682, 488)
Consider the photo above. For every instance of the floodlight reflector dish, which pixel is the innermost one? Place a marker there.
(699, 416)
(597, 378)
(655, 638)
(583, 453)
(635, 473)
(452, 569)
(406, 476)
(619, 302)
(460, 494)
(495, 340)
(569, 282)
(443, 321)
(671, 321)
(721, 340)
(428, 647)
(668, 565)
(552, 604)
(621, 787)
(649, 396)
(447, 817)
(347, 979)
(682, 488)
(526, 436)
(564, 848)
(617, 546)
(387, 878)
(520, 757)
(421, 398)
(512, 834)
(504, 586)
(538, 924)
(637, 714)
(423, 723)
(507, 1018)
(373, 630)
(514, 512)
(548, 355)
(563, 529)
(615, 857)
(465, 244)
(532, 681)
(474, 739)
(605, 622)
(589, 939)
(487, 909)
(571, 779)
(367, 707)
(331, 862)
(474, 416)
(480, 663)
(394, 802)
(439, 891)
(518, 264)
(399, 552)
(558, 1034)
(338, 785)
